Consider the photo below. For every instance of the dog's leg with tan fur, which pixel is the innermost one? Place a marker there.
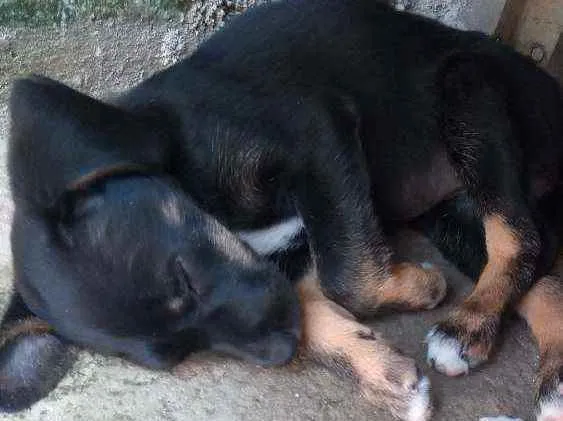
(542, 308)
(333, 337)
(482, 144)
(466, 338)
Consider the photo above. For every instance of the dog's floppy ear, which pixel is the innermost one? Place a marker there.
(32, 359)
(58, 135)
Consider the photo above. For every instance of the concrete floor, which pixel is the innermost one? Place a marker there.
(99, 57)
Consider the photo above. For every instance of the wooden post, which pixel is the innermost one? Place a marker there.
(534, 28)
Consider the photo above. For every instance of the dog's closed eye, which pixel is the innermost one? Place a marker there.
(182, 290)
(183, 283)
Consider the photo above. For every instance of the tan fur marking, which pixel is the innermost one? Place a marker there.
(502, 242)
(413, 287)
(476, 321)
(470, 318)
(326, 325)
(100, 173)
(403, 285)
(407, 286)
(542, 307)
(494, 289)
(370, 280)
(30, 326)
(333, 337)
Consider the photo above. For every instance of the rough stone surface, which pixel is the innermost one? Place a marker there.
(109, 55)
(479, 15)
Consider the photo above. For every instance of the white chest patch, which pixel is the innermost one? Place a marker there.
(273, 238)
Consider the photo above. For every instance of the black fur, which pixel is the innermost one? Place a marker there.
(31, 363)
(340, 112)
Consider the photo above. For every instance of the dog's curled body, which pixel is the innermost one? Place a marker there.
(145, 226)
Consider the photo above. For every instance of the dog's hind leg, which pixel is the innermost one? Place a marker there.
(542, 308)
(483, 147)
(333, 337)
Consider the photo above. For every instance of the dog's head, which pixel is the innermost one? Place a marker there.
(117, 258)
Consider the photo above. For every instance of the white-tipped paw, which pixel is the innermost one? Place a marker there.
(551, 407)
(500, 418)
(445, 354)
(420, 406)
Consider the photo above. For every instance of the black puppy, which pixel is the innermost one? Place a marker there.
(302, 126)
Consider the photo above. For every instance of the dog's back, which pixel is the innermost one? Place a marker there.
(395, 68)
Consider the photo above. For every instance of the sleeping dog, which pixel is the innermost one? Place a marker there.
(183, 214)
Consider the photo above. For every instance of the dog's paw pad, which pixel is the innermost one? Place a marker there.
(445, 354)
(500, 418)
(420, 405)
(550, 407)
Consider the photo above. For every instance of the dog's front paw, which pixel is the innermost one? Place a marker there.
(413, 287)
(551, 409)
(406, 394)
(386, 377)
(550, 404)
(500, 418)
(445, 354)
(549, 382)
(420, 403)
(461, 343)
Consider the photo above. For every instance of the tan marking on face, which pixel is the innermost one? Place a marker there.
(100, 173)
(494, 288)
(333, 337)
(29, 326)
(171, 211)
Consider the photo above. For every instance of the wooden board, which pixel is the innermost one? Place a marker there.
(533, 27)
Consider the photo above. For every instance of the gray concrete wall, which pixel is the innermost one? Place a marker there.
(463, 14)
(479, 15)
